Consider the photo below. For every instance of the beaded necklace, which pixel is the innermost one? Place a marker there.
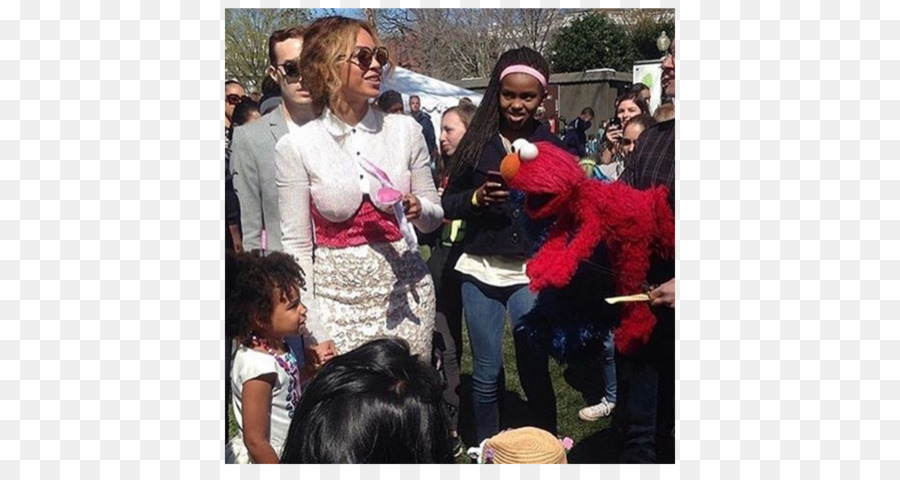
(288, 363)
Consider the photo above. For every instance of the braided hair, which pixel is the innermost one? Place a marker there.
(250, 280)
(486, 122)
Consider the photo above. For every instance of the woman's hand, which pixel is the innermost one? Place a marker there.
(319, 354)
(491, 192)
(613, 135)
(412, 206)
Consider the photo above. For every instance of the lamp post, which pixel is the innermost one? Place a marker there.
(663, 42)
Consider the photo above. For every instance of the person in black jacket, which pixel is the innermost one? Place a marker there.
(415, 109)
(576, 132)
(496, 244)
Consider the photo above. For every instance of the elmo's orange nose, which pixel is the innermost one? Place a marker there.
(510, 166)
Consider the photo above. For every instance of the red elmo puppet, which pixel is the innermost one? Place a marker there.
(633, 224)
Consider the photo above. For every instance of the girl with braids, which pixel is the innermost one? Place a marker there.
(351, 184)
(262, 307)
(496, 245)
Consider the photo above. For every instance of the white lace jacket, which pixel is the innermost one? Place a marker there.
(318, 163)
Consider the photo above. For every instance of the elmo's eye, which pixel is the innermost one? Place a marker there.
(528, 152)
(517, 145)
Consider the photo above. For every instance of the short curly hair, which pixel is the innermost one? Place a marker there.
(328, 43)
(250, 280)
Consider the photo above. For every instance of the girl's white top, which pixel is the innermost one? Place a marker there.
(249, 364)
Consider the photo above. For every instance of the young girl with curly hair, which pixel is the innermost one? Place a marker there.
(262, 307)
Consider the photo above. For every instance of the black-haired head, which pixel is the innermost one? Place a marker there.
(375, 404)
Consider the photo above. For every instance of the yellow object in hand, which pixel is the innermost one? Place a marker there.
(640, 297)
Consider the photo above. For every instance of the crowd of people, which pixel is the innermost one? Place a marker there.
(358, 241)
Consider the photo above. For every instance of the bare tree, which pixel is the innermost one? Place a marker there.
(387, 21)
(459, 43)
(634, 18)
(444, 43)
(538, 25)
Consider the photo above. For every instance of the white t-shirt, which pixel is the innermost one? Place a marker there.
(495, 270)
(249, 364)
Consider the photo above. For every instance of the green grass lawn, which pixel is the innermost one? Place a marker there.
(593, 441)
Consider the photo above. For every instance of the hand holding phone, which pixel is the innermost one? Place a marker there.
(613, 130)
(494, 190)
(496, 177)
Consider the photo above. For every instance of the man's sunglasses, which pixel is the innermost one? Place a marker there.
(365, 55)
(290, 69)
(234, 98)
(626, 142)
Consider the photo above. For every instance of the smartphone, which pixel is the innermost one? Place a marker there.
(614, 122)
(496, 177)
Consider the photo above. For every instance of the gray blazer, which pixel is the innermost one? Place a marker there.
(253, 166)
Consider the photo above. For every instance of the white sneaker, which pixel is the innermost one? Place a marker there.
(596, 412)
(473, 453)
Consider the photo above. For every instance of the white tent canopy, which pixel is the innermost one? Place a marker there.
(436, 95)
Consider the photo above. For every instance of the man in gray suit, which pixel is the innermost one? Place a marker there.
(253, 145)
(253, 156)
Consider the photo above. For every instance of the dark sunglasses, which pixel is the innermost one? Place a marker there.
(365, 55)
(234, 98)
(626, 142)
(290, 69)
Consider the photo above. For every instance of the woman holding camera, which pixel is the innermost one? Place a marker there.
(628, 106)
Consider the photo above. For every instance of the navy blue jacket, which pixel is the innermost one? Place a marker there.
(499, 229)
(427, 130)
(576, 136)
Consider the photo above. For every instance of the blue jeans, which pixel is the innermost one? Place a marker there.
(609, 365)
(485, 312)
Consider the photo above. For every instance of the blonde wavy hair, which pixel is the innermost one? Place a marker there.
(327, 44)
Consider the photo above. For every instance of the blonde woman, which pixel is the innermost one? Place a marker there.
(351, 185)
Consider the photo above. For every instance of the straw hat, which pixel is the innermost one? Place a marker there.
(524, 445)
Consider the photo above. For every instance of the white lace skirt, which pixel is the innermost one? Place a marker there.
(373, 291)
